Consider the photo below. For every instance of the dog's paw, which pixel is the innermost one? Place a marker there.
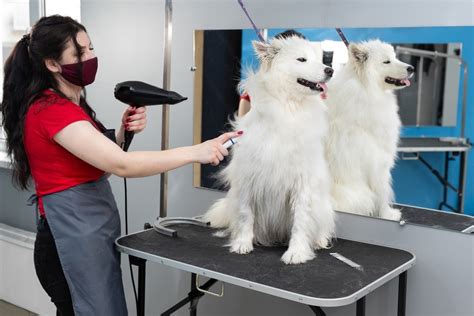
(323, 243)
(221, 234)
(391, 214)
(292, 256)
(241, 247)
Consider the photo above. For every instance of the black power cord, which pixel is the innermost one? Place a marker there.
(126, 233)
(126, 230)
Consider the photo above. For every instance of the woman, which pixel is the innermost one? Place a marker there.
(54, 137)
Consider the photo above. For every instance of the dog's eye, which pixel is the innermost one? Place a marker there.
(387, 62)
(301, 59)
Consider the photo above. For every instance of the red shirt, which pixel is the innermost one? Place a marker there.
(53, 168)
(245, 96)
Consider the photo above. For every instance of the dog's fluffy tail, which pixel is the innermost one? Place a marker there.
(220, 214)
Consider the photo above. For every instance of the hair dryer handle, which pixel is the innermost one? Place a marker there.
(127, 139)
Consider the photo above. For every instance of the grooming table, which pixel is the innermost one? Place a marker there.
(322, 282)
(436, 219)
(411, 148)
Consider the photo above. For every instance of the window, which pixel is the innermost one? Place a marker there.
(16, 18)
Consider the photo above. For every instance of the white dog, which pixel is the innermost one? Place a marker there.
(278, 177)
(364, 129)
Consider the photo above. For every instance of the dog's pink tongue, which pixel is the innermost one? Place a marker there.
(406, 82)
(323, 94)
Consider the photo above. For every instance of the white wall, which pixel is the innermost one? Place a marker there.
(71, 8)
(128, 38)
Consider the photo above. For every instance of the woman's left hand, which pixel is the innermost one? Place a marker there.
(134, 119)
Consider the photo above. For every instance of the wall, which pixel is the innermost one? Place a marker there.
(128, 37)
(128, 40)
(14, 210)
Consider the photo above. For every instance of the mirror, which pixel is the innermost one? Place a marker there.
(433, 96)
(431, 102)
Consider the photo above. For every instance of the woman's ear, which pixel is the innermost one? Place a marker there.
(52, 65)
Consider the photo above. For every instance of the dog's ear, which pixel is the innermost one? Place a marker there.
(359, 52)
(265, 52)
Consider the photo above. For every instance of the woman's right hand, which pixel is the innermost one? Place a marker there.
(213, 151)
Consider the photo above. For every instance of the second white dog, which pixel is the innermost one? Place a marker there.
(364, 129)
(278, 177)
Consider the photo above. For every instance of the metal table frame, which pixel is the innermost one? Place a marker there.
(453, 145)
(195, 294)
(139, 259)
(450, 147)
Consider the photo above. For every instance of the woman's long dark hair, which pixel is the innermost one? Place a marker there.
(26, 77)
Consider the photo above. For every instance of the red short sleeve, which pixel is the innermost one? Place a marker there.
(55, 117)
(245, 96)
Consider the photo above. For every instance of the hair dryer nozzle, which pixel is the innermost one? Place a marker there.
(138, 93)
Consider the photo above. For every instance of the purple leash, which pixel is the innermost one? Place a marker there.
(251, 21)
(342, 36)
(338, 30)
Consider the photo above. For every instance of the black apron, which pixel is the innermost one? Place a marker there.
(85, 222)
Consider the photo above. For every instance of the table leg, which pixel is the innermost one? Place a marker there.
(360, 307)
(446, 177)
(462, 181)
(444, 180)
(402, 293)
(317, 310)
(194, 302)
(175, 307)
(193, 297)
(141, 263)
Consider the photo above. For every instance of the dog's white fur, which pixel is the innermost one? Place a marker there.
(364, 127)
(278, 177)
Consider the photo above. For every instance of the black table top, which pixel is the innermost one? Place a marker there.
(435, 218)
(324, 281)
(407, 144)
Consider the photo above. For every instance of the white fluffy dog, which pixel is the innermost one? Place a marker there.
(364, 129)
(278, 177)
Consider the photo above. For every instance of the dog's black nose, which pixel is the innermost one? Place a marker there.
(328, 71)
(410, 69)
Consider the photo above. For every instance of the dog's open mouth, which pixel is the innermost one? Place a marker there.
(398, 82)
(313, 85)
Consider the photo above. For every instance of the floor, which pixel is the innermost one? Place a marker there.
(7, 309)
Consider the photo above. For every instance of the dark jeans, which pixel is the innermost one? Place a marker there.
(49, 270)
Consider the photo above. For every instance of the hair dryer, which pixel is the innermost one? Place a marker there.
(137, 93)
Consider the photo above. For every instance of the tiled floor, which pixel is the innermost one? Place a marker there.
(7, 309)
